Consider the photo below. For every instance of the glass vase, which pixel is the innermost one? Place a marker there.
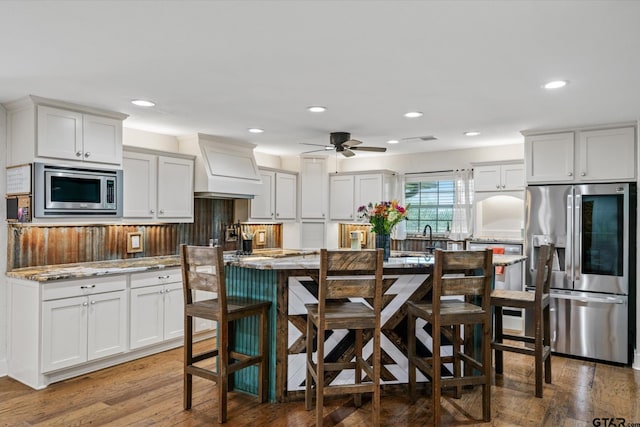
(383, 241)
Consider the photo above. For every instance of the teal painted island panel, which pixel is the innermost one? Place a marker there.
(261, 285)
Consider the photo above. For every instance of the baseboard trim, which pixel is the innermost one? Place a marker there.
(4, 368)
(636, 360)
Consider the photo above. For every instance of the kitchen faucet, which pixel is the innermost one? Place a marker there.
(430, 246)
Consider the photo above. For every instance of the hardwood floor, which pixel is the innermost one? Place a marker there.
(148, 392)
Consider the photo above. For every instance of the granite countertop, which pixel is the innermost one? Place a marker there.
(263, 259)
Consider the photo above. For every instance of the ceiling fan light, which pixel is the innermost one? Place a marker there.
(317, 109)
(392, 141)
(472, 133)
(329, 148)
(413, 114)
(255, 130)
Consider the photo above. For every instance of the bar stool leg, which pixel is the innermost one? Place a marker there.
(498, 338)
(357, 397)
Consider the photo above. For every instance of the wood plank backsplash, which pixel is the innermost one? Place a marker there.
(31, 245)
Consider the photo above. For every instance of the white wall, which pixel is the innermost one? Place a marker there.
(153, 141)
(432, 161)
(3, 244)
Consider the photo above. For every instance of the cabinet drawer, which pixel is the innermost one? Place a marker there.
(156, 277)
(86, 286)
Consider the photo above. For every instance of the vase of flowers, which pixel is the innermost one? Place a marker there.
(383, 216)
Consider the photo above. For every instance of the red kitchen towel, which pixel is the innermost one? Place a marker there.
(499, 268)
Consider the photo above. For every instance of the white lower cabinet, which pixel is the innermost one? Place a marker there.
(60, 329)
(156, 313)
(83, 328)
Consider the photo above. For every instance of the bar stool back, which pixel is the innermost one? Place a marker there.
(538, 302)
(455, 273)
(203, 269)
(344, 275)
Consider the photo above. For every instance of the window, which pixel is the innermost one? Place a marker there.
(432, 201)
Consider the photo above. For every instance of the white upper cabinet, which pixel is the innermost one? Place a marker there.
(341, 197)
(607, 155)
(70, 135)
(40, 129)
(347, 192)
(262, 205)
(278, 200)
(157, 185)
(549, 158)
(498, 177)
(583, 155)
(313, 188)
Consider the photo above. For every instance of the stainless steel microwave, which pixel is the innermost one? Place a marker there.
(60, 191)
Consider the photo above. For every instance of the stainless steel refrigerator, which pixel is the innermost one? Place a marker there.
(593, 229)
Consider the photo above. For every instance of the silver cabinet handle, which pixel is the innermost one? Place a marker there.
(84, 304)
(87, 286)
(87, 154)
(78, 153)
(152, 211)
(163, 277)
(162, 291)
(583, 174)
(93, 302)
(570, 174)
(161, 211)
(497, 185)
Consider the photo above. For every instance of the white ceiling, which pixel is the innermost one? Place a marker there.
(220, 67)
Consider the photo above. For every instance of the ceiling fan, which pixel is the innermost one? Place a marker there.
(342, 143)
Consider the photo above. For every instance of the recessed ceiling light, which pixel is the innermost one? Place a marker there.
(143, 103)
(556, 84)
(317, 109)
(256, 130)
(413, 114)
(472, 133)
(392, 141)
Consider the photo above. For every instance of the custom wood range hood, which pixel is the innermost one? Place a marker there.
(224, 168)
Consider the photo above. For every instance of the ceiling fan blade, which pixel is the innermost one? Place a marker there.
(374, 149)
(318, 145)
(347, 153)
(350, 143)
(313, 151)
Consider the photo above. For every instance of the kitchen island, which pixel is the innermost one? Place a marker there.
(288, 283)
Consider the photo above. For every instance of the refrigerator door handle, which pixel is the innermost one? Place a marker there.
(586, 299)
(568, 264)
(577, 241)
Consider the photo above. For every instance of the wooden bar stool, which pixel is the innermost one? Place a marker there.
(538, 302)
(344, 275)
(203, 269)
(455, 273)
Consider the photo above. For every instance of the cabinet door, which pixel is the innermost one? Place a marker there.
(262, 205)
(486, 178)
(101, 139)
(286, 195)
(607, 155)
(139, 185)
(549, 158)
(511, 177)
(146, 316)
(173, 311)
(368, 189)
(64, 333)
(107, 324)
(59, 133)
(175, 188)
(341, 197)
(200, 324)
(313, 184)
